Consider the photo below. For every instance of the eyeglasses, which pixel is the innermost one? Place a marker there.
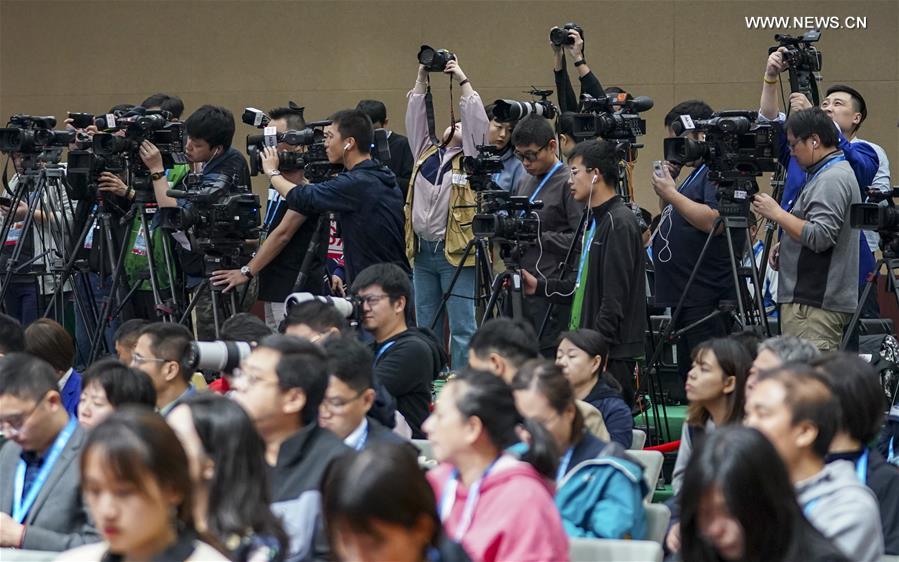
(249, 379)
(335, 404)
(16, 421)
(372, 300)
(530, 156)
(138, 359)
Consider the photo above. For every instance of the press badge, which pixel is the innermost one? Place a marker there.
(14, 234)
(459, 179)
(140, 243)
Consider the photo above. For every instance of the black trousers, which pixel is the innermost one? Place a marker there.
(623, 371)
(716, 327)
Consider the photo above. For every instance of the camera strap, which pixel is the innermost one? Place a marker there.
(429, 114)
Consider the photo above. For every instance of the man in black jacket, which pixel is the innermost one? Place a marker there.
(369, 206)
(608, 287)
(400, 152)
(406, 359)
(281, 386)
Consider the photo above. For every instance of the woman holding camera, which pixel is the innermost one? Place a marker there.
(440, 205)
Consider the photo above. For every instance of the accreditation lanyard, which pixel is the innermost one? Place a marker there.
(381, 352)
(563, 465)
(542, 183)
(361, 443)
(585, 252)
(861, 467)
(448, 500)
(22, 506)
(808, 179)
(272, 211)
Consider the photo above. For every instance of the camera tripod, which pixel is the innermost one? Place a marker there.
(483, 278)
(888, 243)
(216, 257)
(507, 287)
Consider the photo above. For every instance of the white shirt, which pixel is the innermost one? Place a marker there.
(65, 378)
(352, 440)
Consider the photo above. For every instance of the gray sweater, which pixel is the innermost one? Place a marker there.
(827, 252)
(844, 510)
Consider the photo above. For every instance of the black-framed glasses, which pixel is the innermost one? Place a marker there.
(334, 404)
(530, 156)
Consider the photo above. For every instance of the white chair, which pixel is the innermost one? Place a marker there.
(638, 440)
(424, 448)
(652, 468)
(594, 550)
(657, 517)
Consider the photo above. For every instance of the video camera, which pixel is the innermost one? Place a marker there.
(611, 118)
(30, 134)
(507, 111)
(222, 210)
(506, 218)
(882, 218)
(804, 61)
(480, 168)
(314, 161)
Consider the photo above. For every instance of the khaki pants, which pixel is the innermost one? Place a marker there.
(824, 328)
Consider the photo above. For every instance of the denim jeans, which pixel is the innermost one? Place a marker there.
(21, 302)
(85, 327)
(431, 276)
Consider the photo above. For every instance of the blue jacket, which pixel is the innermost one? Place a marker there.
(71, 393)
(369, 209)
(601, 494)
(615, 412)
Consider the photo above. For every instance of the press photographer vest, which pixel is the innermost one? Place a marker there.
(461, 211)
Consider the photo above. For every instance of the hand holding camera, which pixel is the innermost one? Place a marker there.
(776, 64)
(799, 101)
(111, 183)
(151, 157)
(453, 69)
(270, 160)
(574, 48)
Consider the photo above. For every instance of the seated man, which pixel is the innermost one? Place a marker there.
(778, 351)
(48, 340)
(796, 409)
(282, 385)
(313, 320)
(126, 338)
(406, 359)
(351, 395)
(40, 493)
(160, 352)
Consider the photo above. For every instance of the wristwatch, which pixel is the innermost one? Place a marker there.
(245, 271)
(157, 175)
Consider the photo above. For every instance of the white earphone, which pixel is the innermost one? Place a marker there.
(346, 147)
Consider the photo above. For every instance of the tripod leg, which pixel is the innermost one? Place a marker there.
(441, 308)
(853, 323)
(744, 318)
(151, 264)
(214, 297)
(495, 290)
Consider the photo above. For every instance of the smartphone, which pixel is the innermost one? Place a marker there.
(658, 168)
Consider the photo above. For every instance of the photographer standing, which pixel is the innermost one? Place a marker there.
(573, 44)
(817, 258)
(210, 130)
(365, 196)
(437, 226)
(547, 180)
(400, 153)
(689, 214)
(286, 237)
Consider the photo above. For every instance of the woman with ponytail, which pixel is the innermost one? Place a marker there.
(498, 506)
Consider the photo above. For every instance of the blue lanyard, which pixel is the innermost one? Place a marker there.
(22, 506)
(542, 183)
(890, 453)
(563, 464)
(808, 180)
(272, 211)
(861, 467)
(690, 178)
(585, 251)
(448, 500)
(381, 351)
(361, 443)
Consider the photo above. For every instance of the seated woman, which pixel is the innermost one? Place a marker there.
(107, 385)
(136, 483)
(738, 504)
(499, 507)
(582, 356)
(599, 490)
(230, 477)
(379, 506)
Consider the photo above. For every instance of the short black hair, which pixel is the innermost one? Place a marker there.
(120, 108)
(170, 341)
(213, 124)
(813, 121)
(12, 335)
(857, 387)
(165, 102)
(244, 326)
(375, 109)
(293, 116)
(355, 124)
(514, 340)
(318, 315)
(389, 277)
(857, 99)
(696, 109)
(26, 377)
(599, 155)
(810, 397)
(350, 361)
(533, 129)
(123, 385)
(302, 365)
(130, 330)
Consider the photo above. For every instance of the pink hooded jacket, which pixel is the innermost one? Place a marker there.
(514, 519)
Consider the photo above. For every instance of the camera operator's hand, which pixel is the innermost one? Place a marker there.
(453, 68)
(798, 102)
(528, 282)
(776, 64)
(664, 185)
(270, 160)
(575, 50)
(774, 257)
(765, 206)
(229, 278)
(337, 286)
(151, 156)
(111, 183)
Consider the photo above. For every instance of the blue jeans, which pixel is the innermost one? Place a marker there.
(21, 302)
(431, 276)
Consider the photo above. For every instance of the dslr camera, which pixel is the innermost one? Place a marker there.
(508, 111)
(434, 60)
(559, 36)
(804, 61)
(30, 134)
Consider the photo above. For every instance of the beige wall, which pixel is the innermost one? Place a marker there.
(89, 55)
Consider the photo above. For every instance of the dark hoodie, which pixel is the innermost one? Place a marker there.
(406, 364)
(615, 412)
(369, 209)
